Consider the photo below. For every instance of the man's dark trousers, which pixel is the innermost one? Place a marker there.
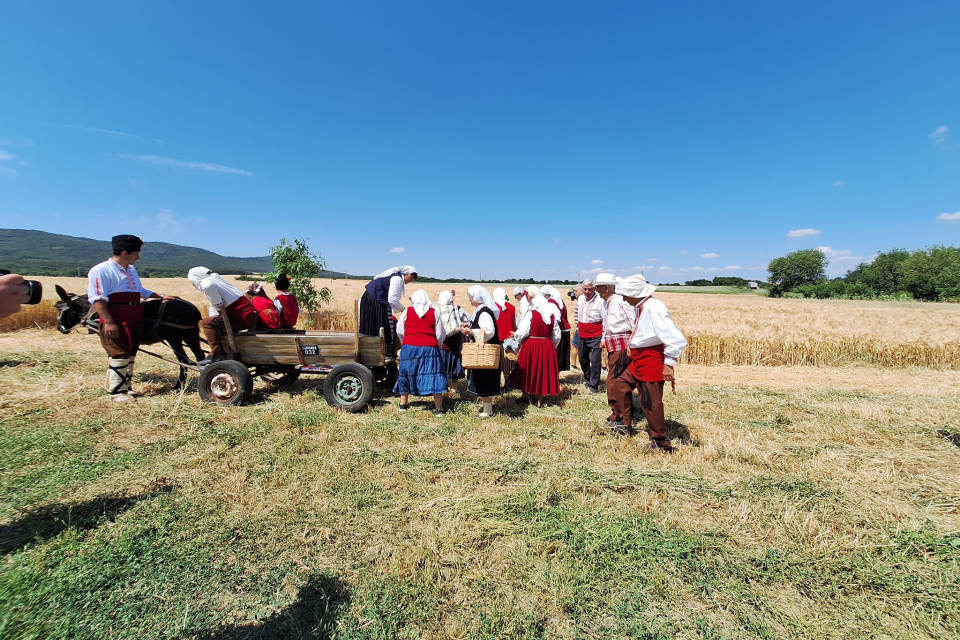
(590, 359)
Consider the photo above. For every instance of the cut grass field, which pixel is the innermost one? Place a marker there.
(803, 502)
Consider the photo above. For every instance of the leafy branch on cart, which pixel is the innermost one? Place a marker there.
(301, 265)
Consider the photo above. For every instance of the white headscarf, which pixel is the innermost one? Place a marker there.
(500, 297)
(546, 310)
(548, 291)
(404, 270)
(532, 291)
(481, 296)
(444, 298)
(519, 291)
(421, 302)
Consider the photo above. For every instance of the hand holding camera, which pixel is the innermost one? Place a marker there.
(15, 291)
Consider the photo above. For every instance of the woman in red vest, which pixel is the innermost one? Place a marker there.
(539, 333)
(269, 318)
(286, 303)
(421, 368)
(563, 348)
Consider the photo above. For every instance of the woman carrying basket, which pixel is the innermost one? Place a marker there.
(484, 383)
(451, 316)
(538, 334)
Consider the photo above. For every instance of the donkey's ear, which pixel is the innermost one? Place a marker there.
(63, 294)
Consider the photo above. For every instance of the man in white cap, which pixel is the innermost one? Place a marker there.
(619, 319)
(590, 331)
(655, 344)
(226, 298)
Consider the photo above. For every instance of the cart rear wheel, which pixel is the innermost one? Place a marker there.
(349, 387)
(225, 383)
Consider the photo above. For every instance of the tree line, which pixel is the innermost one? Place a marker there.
(931, 274)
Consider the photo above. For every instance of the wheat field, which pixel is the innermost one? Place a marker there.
(733, 330)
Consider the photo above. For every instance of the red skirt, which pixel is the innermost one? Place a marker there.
(537, 371)
(646, 364)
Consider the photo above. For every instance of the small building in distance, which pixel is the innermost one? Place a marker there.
(753, 286)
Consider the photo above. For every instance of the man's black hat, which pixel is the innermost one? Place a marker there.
(282, 282)
(126, 242)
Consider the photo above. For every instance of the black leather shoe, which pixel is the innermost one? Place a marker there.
(211, 359)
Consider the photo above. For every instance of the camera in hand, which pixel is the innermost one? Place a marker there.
(572, 295)
(34, 288)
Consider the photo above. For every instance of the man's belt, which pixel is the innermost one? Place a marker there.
(123, 304)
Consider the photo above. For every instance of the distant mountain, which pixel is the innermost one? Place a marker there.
(40, 253)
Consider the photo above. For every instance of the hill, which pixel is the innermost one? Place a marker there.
(51, 254)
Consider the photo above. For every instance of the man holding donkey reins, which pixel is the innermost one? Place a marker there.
(115, 291)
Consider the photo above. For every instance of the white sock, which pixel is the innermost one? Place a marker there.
(117, 375)
(488, 408)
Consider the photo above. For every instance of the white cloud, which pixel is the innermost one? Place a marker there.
(186, 164)
(596, 262)
(664, 268)
(733, 267)
(684, 252)
(557, 240)
(166, 219)
(7, 171)
(803, 233)
(940, 134)
(949, 216)
(839, 184)
(653, 259)
(397, 250)
(709, 255)
(830, 252)
(116, 134)
(6, 156)
(597, 270)
(546, 270)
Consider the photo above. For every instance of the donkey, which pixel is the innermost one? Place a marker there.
(173, 322)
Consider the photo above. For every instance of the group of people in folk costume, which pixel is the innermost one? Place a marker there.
(115, 291)
(618, 316)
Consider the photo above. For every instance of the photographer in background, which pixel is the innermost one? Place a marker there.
(15, 291)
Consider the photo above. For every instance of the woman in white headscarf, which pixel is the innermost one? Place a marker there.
(506, 325)
(382, 301)
(563, 349)
(538, 334)
(451, 316)
(421, 368)
(520, 295)
(224, 297)
(484, 383)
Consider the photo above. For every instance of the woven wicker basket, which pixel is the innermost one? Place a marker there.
(510, 355)
(480, 355)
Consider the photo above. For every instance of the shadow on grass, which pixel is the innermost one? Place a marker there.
(49, 521)
(313, 616)
(675, 430)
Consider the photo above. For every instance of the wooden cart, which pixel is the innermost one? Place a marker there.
(353, 364)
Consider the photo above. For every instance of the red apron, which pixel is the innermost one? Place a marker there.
(646, 364)
(127, 312)
(242, 314)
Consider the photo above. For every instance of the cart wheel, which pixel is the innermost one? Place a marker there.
(386, 376)
(281, 378)
(349, 387)
(227, 382)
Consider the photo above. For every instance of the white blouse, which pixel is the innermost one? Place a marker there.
(523, 331)
(437, 327)
(655, 327)
(487, 324)
(619, 317)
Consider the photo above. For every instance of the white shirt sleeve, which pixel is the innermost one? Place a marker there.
(144, 293)
(212, 293)
(401, 324)
(489, 327)
(278, 306)
(523, 329)
(555, 336)
(95, 286)
(673, 340)
(395, 296)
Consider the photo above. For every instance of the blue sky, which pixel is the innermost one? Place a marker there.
(512, 139)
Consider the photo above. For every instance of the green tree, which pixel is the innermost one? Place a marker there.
(300, 265)
(933, 274)
(884, 275)
(807, 266)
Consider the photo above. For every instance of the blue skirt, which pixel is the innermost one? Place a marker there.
(421, 371)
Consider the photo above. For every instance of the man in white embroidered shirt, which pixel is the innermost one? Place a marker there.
(589, 330)
(115, 292)
(619, 319)
(655, 344)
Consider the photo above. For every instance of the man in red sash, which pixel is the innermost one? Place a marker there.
(655, 345)
(115, 292)
(224, 299)
(619, 320)
(590, 308)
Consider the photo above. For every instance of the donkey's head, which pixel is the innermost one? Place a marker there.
(73, 310)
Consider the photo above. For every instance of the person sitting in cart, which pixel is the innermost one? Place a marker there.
(286, 303)
(269, 316)
(223, 298)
